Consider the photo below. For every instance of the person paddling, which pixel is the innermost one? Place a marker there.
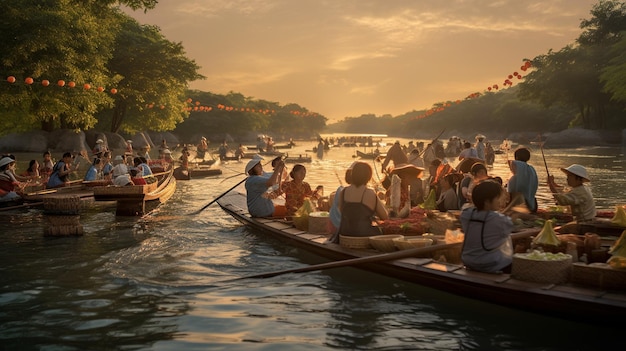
(578, 197)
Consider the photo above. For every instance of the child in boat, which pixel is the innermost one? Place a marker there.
(579, 197)
(487, 245)
(137, 178)
(257, 185)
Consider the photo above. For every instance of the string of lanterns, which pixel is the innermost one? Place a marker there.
(60, 83)
(507, 82)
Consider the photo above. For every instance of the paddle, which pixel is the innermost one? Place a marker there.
(219, 197)
(433, 142)
(544, 160)
(355, 261)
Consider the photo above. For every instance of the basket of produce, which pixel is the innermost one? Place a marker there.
(385, 243)
(542, 267)
(412, 243)
(354, 242)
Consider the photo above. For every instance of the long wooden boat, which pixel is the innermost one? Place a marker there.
(368, 155)
(137, 200)
(196, 172)
(34, 199)
(570, 300)
(298, 159)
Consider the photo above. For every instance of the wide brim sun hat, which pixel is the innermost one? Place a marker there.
(5, 161)
(577, 170)
(251, 164)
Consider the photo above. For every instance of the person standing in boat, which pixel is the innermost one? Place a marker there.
(480, 146)
(257, 186)
(487, 245)
(359, 204)
(396, 155)
(223, 150)
(578, 197)
(240, 152)
(524, 182)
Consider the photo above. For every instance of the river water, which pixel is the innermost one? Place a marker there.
(162, 282)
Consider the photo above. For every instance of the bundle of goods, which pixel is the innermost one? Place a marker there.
(415, 224)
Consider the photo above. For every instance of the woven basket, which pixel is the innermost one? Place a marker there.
(412, 243)
(318, 222)
(385, 243)
(553, 272)
(68, 204)
(600, 275)
(60, 220)
(354, 242)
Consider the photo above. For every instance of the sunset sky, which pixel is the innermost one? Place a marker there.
(345, 58)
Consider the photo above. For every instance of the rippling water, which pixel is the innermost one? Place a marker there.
(163, 282)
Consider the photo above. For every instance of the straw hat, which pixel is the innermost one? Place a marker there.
(5, 161)
(253, 162)
(577, 170)
(99, 141)
(129, 141)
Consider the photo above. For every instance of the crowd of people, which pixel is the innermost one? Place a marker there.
(486, 204)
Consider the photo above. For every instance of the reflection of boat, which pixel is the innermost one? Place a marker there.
(298, 159)
(572, 300)
(133, 200)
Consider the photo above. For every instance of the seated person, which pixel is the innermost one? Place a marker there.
(448, 199)
(10, 188)
(359, 204)
(94, 172)
(579, 197)
(60, 172)
(297, 190)
(257, 186)
(136, 177)
(487, 245)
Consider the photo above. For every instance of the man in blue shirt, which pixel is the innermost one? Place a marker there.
(257, 184)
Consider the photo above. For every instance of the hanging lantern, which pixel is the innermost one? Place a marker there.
(510, 76)
(71, 84)
(45, 82)
(113, 91)
(100, 89)
(61, 83)
(28, 81)
(11, 79)
(86, 86)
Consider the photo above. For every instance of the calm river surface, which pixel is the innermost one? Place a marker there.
(160, 282)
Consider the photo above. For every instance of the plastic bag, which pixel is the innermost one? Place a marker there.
(454, 236)
(301, 217)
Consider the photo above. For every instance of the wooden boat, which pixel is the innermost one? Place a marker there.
(298, 159)
(250, 155)
(137, 200)
(572, 300)
(196, 172)
(368, 155)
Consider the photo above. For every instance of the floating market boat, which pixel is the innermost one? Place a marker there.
(578, 291)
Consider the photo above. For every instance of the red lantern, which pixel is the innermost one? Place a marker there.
(45, 82)
(11, 79)
(189, 100)
(61, 83)
(28, 81)
(489, 88)
(100, 89)
(71, 84)
(515, 73)
(510, 76)
(87, 86)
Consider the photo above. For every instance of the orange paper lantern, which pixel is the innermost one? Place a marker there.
(28, 81)
(87, 86)
(45, 82)
(61, 83)
(71, 84)
(100, 89)
(11, 79)
(113, 91)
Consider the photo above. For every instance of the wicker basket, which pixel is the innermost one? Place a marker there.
(354, 242)
(554, 272)
(61, 204)
(412, 243)
(385, 243)
(600, 275)
(318, 222)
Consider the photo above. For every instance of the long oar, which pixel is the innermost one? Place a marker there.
(432, 142)
(544, 160)
(355, 261)
(219, 197)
